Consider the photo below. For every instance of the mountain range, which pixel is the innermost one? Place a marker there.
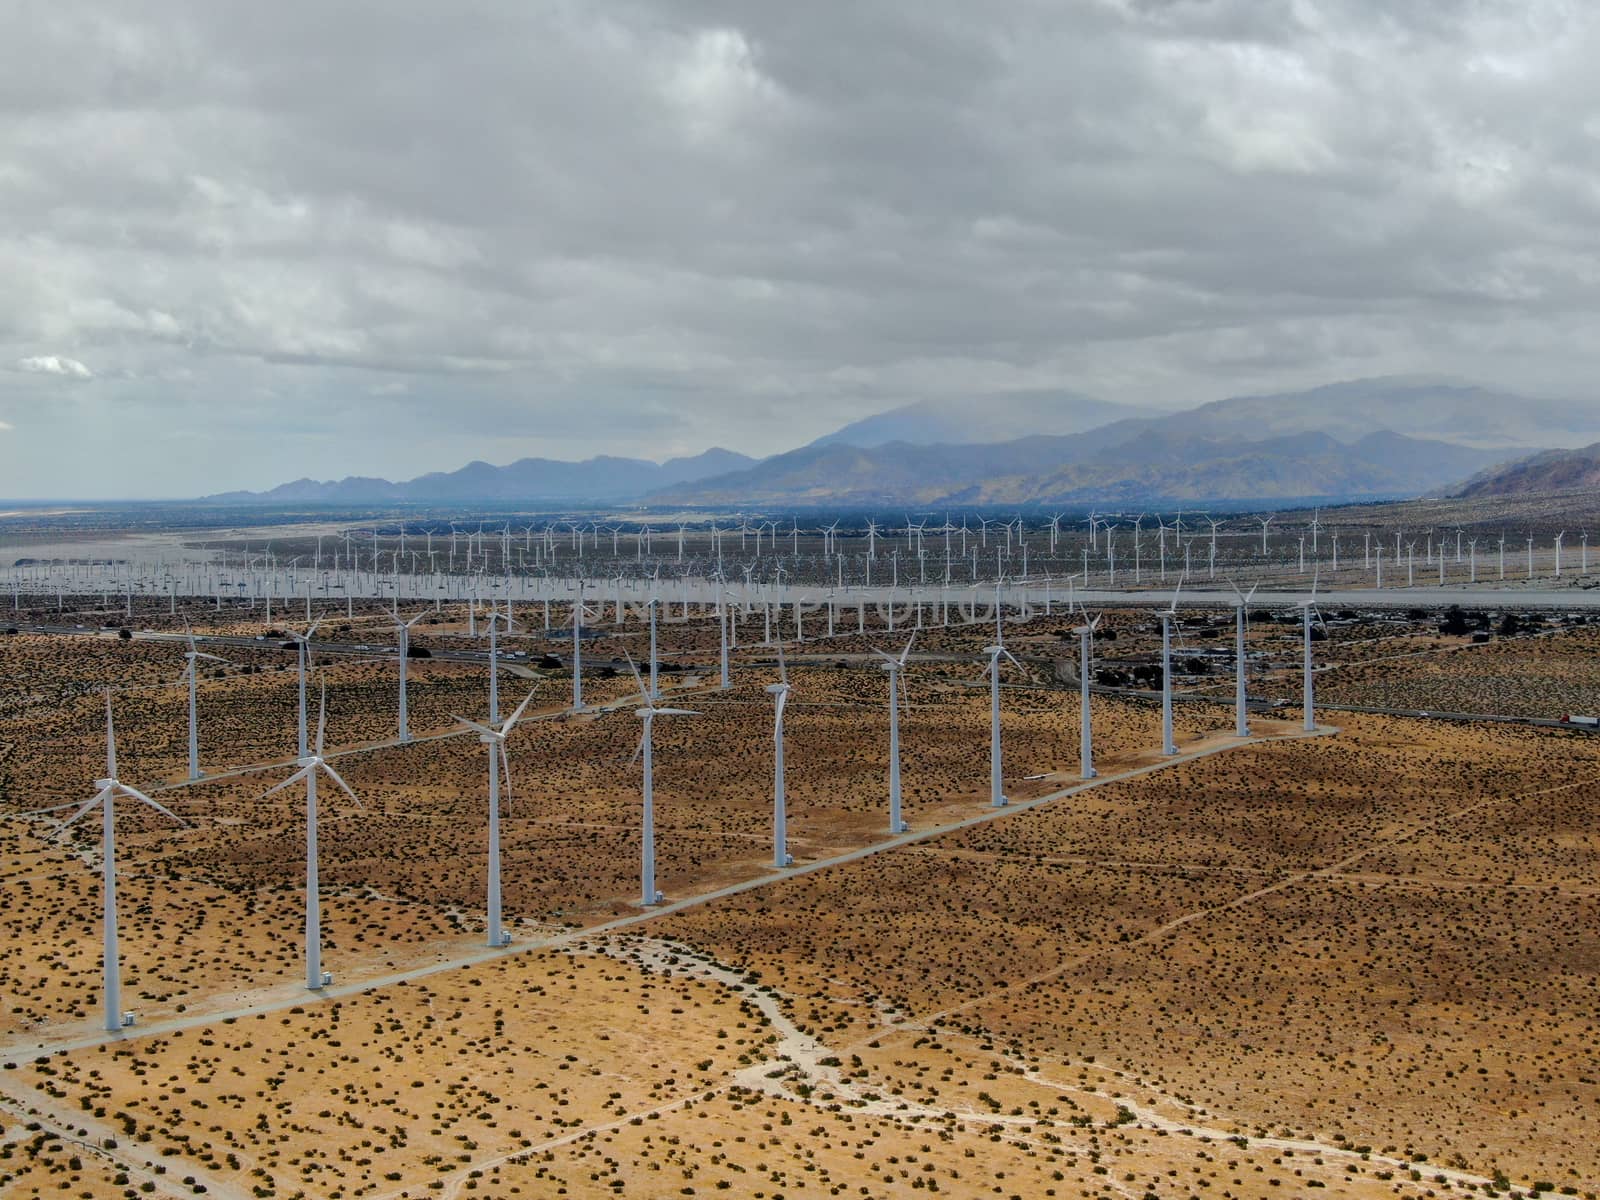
(1539, 474)
(596, 479)
(1359, 439)
(976, 420)
(1138, 464)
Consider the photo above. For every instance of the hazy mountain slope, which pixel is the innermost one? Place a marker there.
(1444, 410)
(1552, 471)
(999, 417)
(1300, 465)
(1139, 461)
(603, 478)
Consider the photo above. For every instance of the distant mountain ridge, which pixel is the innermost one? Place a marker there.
(1131, 461)
(1388, 436)
(1447, 410)
(1552, 471)
(600, 478)
(978, 420)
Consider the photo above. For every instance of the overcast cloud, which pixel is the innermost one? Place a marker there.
(243, 241)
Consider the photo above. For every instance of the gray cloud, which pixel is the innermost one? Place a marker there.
(387, 237)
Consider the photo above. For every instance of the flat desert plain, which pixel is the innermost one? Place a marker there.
(1361, 961)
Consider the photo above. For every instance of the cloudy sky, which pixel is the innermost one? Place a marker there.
(243, 242)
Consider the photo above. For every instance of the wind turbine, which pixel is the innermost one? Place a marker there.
(303, 643)
(1168, 615)
(1241, 715)
(110, 788)
(577, 651)
(655, 687)
(1307, 607)
(190, 672)
(894, 666)
(997, 799)
(780, 814)
(647, 712)
(494, 736)
(724, 681)
(1085, 634)
(404, 628)
(316, 977)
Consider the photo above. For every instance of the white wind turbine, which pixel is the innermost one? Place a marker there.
(1085, 634)
(303, 645)
(1168, 615)
(316, 977)
(655, 686)
(647, 712)
(894, 666)
(724, 682)
(404, 628)
(110, 788)
(1241, 619)
(780, 814)
(997, 798)
(1307, 608)
(190, 671)
(494, 736)
(577, 651)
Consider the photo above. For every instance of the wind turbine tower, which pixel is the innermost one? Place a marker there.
(190, 671)
(316, 977)
(894, 666)
(997, 798)
(1241, 617)
(110, 788)
(494, 736)
(780, 815)
(1085, 634)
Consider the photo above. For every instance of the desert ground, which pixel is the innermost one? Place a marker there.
(1361, 960)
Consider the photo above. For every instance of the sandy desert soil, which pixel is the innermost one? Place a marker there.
(1361, 962)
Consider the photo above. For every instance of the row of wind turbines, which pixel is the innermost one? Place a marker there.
(494, 733)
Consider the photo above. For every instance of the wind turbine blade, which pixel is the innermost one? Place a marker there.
(637, 750)
(103, 794)
(511, 721)
(293, 779)
(210, 657)
(483, 729)
(136, 794)
(783, 670)
(783, 702)
(322, 717)
(887, 657)
(343, 786)
(1011, 656)
(111, 740)
(505, 767)
(677, 712)
(643, 695)
(906, 653)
